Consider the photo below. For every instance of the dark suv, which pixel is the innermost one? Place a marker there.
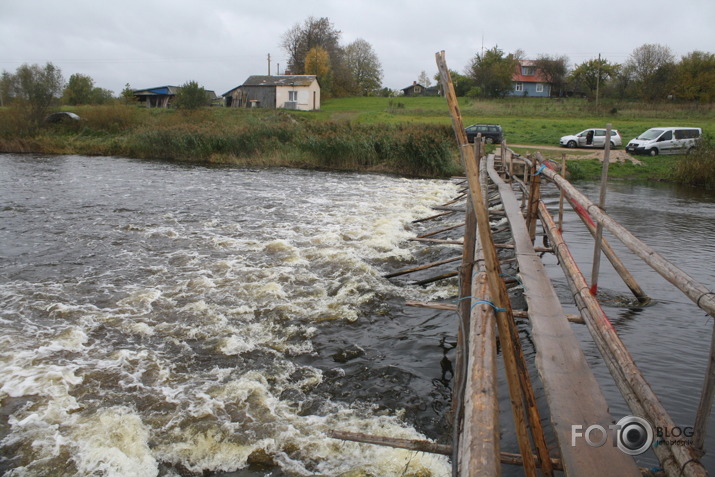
(492, 133)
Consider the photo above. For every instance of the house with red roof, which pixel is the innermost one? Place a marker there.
(528, 80)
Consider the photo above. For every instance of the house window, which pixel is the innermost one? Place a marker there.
(539, 88)
(528, 70)
(292, 96)
(519, 87)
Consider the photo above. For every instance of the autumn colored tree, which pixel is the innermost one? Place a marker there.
(317, 62)
(695, 77)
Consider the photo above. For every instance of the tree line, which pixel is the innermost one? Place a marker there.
(651, 73)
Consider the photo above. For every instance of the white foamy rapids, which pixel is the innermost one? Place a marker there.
(182, 351)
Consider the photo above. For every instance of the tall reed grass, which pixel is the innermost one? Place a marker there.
(698, 167)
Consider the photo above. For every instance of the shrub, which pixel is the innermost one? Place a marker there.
(698, 167)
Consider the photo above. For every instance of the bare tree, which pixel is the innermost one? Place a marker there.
(299, 40)
(651, 68)
(554, 70)
(424, 80)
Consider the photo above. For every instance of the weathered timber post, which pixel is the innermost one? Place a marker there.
(534, 197)
(511, 345)
(706, 401)
(602, 205)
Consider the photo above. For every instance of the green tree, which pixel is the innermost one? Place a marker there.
(7, 88)
(592, 74)
(78, 90)
(36, 89)
(101, 96)
(364, 67)
(492, 72)
(127, 95)
(695, 77)
(651, 68)
(191, 96)
(462, 83)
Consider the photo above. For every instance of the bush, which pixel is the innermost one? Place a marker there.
(698, 167)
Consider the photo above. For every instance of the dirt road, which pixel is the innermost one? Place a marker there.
(616, 155)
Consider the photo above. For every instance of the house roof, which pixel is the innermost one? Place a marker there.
(412, 86)
(537, 77)
(156, 91)
(280, 80)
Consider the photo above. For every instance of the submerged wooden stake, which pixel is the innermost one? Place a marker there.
(602, 205)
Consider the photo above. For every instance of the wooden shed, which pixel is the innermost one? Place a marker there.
(159, 97)
(300, 92)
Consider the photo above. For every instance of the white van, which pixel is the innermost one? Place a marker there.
(665, 140)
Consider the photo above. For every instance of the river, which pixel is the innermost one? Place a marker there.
(169, 319)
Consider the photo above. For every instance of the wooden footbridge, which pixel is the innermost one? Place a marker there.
(551, 441)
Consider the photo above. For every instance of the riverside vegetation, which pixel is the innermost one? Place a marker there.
(404, 135)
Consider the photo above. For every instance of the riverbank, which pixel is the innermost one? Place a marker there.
(406, 136)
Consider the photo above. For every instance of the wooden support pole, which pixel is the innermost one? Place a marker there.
(561, 194)
(635, 389)
(706, 401)
(422, 267)
(610, 254)
(422, 446)
(429, 234)
(534, 197)
(433, 240)
(698, 293)
(511, 345)
(436, 278)
(602, 205)
(432, 217)
(462, 354)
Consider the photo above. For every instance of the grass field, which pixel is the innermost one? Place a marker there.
(525, 120)
(403, 135)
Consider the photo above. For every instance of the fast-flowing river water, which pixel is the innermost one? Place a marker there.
(165, 319)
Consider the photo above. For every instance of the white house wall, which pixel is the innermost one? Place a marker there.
(308, 97)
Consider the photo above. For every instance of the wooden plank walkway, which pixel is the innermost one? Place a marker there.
(573, 395)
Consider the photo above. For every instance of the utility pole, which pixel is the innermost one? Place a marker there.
(269, 64)
(598, 81)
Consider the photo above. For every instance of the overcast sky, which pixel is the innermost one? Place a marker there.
(219, 43)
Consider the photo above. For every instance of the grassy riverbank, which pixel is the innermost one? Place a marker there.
(410, 136)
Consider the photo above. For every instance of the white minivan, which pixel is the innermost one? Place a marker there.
(665, 140)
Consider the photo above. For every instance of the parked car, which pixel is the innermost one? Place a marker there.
(665, 140)
(61, 116)
(492, 133)
(592, 138)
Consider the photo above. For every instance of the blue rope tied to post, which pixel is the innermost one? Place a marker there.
(543, 166)
(480, 301)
